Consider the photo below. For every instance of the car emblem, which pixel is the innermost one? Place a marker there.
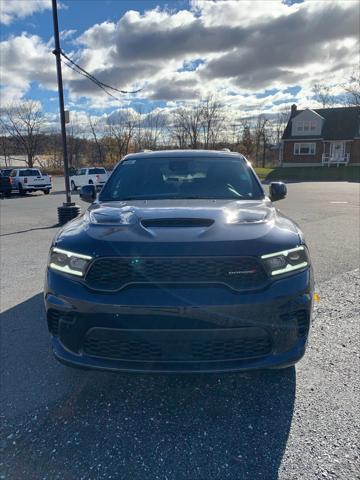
(241, 272)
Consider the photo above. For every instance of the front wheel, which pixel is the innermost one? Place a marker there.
(73, 186)
(47, 191)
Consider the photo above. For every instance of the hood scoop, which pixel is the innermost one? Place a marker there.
(176, 222)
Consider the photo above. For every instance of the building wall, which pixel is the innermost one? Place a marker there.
(289, 157)
(352, 147)
(307, 115)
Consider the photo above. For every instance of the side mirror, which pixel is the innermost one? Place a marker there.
(88, 193)
(278, 191)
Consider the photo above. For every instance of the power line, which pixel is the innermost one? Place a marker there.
(80, 70)
(86, 76)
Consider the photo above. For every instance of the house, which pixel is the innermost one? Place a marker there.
(323, 136)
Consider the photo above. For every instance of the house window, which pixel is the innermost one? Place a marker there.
(306, 126)
(304, 149)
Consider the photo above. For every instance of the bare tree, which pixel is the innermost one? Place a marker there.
(189, 121)
(261, 138)
(199, 125)
(154, 125)
(177, 134)
(94, 127)
(24, 122)
(279, 123)
(121, 129)
(352, 90)
(323, 94)
(212, 121)
(74, 135)
(247, 140)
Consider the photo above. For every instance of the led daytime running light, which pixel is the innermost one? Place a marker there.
(71, 254)
(290, 266)
(284, 252)
(66, 267)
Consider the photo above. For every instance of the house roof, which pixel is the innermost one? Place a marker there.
(341, 123)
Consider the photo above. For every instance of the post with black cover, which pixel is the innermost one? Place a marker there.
(69, 209)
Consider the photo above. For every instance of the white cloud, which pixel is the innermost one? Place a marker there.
(11, 10)
(245, 48)
(24, 59)
(66, 34)
(244, 13)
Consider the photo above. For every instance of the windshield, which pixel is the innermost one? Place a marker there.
(167, 178)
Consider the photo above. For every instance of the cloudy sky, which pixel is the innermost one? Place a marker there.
(254, 56)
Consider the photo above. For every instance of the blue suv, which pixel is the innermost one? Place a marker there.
(181, 264)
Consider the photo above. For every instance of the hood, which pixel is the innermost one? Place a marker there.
(180, 227)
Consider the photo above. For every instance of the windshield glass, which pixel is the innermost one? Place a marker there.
(157, 178)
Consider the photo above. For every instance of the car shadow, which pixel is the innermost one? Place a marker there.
(46, 227)
(16, 195)
(232, 426)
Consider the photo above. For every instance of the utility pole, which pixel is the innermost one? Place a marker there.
(68, 210)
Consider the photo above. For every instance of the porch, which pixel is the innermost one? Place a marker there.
(329, 159)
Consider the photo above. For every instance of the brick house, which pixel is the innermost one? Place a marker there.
(323, 136)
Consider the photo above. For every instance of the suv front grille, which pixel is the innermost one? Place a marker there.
(239, 273)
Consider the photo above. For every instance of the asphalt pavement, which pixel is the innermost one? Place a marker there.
(301, 423)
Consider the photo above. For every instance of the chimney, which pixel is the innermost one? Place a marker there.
(293, 109)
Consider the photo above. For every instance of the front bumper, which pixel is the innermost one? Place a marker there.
(179, 329)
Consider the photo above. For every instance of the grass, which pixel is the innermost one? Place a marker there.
(262, 173)
(326, 174)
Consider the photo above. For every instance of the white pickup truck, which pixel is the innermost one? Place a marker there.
(84, 176)
(30, 180)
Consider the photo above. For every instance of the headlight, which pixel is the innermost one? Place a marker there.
(68, 262)
(286, 261)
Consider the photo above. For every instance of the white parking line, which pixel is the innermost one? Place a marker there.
(339, 202)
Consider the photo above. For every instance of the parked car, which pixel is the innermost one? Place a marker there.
(6, 171)
(5, 185)
(30, 180)
(88, 176)
(182, 264)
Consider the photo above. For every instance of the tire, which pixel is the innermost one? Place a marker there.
(91, 182)
(73, 186)
(22, 192)
(46, 192)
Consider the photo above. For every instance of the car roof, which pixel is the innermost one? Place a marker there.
(184, 154)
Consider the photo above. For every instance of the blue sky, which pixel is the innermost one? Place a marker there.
(251, 55)
(82, 14)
